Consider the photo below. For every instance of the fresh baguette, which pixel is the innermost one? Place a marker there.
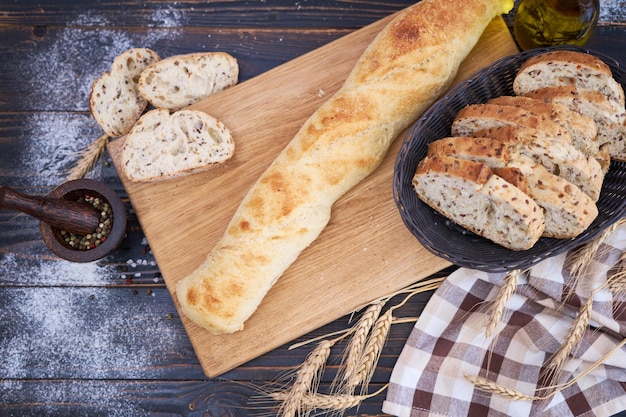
(114, 101)
(411, 62)
(179, 81)
(163, 145)
(470, 194)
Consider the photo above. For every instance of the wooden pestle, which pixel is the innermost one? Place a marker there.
(71, 216)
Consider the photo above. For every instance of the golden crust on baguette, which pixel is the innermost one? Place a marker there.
(403, 71)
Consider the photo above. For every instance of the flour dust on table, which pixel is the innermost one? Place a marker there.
(76, 333)
(61, 67)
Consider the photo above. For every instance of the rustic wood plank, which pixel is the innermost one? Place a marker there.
(108, 398)
(225, 14)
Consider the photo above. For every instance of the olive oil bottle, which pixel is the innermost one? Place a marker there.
(540, 23)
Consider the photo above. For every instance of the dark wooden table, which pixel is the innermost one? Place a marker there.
(104, 338)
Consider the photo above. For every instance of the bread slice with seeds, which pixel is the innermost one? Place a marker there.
(568, 211)
(114, 100)
(560, 158)
(485, 116)
(562, 68)
(609, 116)
(471, 195)
(179, 81)
(582, 129)
(163, 145)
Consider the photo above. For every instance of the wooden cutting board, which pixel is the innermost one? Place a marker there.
(364, 253)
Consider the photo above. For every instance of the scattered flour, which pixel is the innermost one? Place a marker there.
(59, 75)
(77, 333)
(51, 145)
(54, 325)
(54, 272)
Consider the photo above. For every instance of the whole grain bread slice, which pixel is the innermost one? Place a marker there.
(470, 194)
(179, 81)
(114, 100)
(476, 117)
(582, 128)
(555, 68)
(568, 211)
(558, 157)
(609, 116)
(163, 145)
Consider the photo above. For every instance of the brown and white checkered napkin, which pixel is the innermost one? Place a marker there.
(556, 350)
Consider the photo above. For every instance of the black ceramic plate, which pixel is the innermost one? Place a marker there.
(450, 241)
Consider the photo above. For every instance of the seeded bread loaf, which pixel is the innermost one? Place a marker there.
(568, 211)
(114, 101)
(179, 81)
(584, 71)
(470, 194)
(411, 62)
(163, 145)
(609, 117)
(581, 128)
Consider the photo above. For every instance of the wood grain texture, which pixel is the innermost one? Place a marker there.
(365, 251)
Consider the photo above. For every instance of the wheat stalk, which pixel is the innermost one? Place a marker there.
(89, 158)
(574, 335)
(492, 387)
(359, 338)
(307, 380)
(496, 311)
(371, 351)
(487, 385)
(330, 402)
(581, 257)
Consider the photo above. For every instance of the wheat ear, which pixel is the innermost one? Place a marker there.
(359, 338)
(331, 402)
(496, 310)
(371, 352)
(581, 257)
(306, 382)
(489, 386)
(574, 335)
(89, 158)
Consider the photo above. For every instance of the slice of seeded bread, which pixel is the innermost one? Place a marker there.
(558, 157)
(584, 71)
(609, 116)
(114, 101)
(476, 117)
(179, 81)
(470, 194)
(582, 129)
(163, 145)
(568, 211)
